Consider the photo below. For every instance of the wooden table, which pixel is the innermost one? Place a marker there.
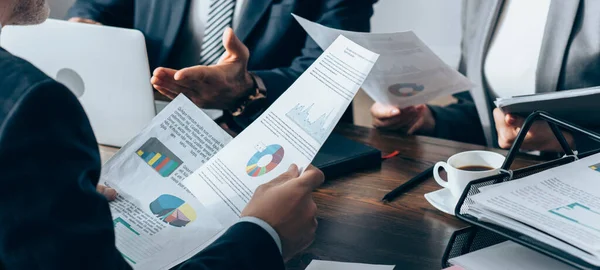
(354, 226)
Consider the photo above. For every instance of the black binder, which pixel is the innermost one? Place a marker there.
(340, 155)
(482, 234)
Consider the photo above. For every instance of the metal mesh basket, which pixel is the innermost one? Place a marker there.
(483, 234)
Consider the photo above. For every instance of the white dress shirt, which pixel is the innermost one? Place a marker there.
(193, 30)
(512, 58)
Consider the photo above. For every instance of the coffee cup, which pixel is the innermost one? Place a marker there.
(465, 167)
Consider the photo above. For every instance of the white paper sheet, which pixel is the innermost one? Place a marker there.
(407, 72)
(291, 131)
(158, 223)
(329, 265)
(508, 255)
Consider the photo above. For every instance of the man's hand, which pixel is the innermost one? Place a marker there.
(83, 20)
(109, 193)
(410, 120)
(287, 205)
(539, 137)
(219, 86)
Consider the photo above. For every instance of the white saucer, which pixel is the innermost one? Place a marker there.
(442, 200)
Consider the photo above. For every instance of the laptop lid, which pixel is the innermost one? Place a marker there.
(105, 67)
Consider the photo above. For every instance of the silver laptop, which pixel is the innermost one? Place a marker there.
(105, 67)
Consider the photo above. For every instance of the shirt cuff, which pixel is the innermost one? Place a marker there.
(261, 223)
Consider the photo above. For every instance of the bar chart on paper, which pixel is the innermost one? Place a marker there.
(579, 213)
(159, 157)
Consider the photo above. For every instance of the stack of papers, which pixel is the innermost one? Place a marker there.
(559, 207)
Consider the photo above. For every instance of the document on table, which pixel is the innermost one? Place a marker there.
(329, 265)
(508, 255)
(158, 222)
(290, 131)
(407, 73)
(561, 203)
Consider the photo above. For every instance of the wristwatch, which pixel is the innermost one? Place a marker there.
(255, 103)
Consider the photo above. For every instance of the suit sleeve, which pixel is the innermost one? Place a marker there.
(117, 13)
(459, 121)
(350, 15)
(52, 217)
(245, 246)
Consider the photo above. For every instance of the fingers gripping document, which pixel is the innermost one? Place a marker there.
(407, 73)
(291, 131)
(182, 181)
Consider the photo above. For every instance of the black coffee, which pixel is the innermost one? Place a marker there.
(475, 168)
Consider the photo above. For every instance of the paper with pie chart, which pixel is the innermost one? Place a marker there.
(290, 131)
(157, 222)
(257, 166)
(408, 71)
(173, 210)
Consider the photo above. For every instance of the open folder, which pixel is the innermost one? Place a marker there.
(579, 106)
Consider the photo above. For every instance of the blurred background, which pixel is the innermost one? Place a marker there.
(436, 22)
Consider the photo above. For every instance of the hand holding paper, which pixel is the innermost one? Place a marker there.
(407, 73)
(295, 221)
(291, 131)
(411, 120)
(183, 180)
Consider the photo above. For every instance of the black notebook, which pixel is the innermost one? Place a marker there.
(340, 155)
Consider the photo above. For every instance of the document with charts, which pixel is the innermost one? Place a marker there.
(158, 223)
(407, 73)
(291, 131)
(559, 206)
(182, 181)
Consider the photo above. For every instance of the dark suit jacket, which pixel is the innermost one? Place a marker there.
(568, 60)
(51, 216)
(279, 48)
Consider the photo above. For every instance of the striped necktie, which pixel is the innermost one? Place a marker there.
(220, 16)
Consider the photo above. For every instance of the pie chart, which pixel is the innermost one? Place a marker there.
(406, 89)
(173, 210)
(254, 169)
